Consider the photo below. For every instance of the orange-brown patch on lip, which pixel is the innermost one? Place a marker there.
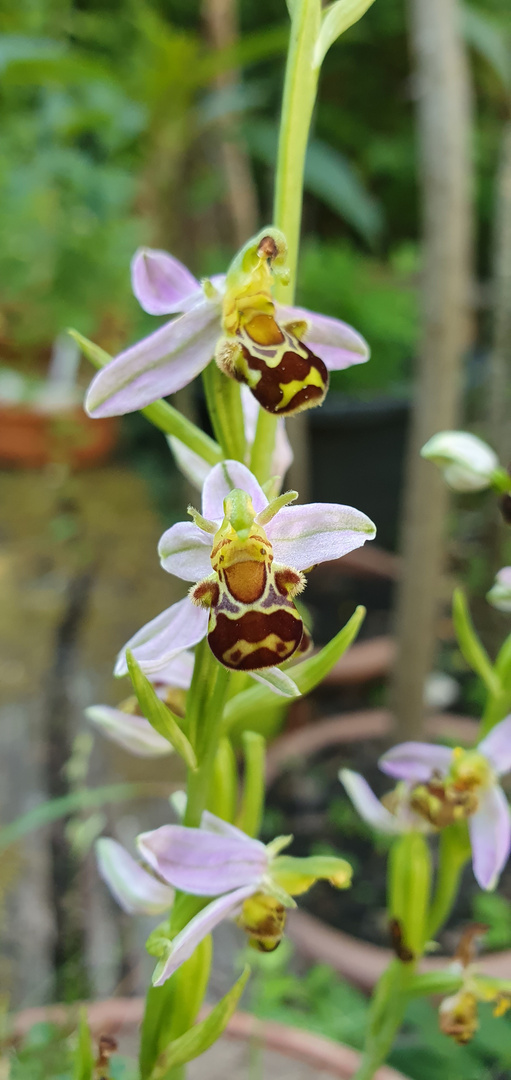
(263, 330)
(246, 581)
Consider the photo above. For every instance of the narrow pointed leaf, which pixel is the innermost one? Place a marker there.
(159, 715)
(160, 413)
(308, 674)
(200, 1037)
(83, 1064)
(473, 651)
(338, 18)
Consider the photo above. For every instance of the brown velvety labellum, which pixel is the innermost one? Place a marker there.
(246, 581)
(256, 639)
(270, 390)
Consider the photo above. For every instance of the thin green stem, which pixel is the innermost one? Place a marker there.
(223, 399)
(453, 854)
(252, 802)
(208, 733)
(263, 446)
(386, 1016)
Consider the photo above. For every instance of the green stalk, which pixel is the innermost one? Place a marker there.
(208, 727)
(454, 852)
(300, 88)
(223, 399)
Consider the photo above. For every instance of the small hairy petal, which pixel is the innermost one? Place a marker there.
(162, 284)
(202, 862)
(185, 551)
(415, 761)
(158, 365)
(335, 342)
(305, 535)
(133, 733)
(162, 639)
(369, 807)
(490, 836)
(496, 747)
(185, 943)
(222, 479)
(136, 891)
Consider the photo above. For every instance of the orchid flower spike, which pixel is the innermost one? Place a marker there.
(197, 469)
(283, 354)
(456, 785)
(392, 815)
(500, 593)
(468, 463)
(126, 727)
(247, 556)
(250, 881)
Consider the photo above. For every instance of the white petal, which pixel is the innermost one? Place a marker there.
(136, 891)
(416, 761)
(497, 747)
(490, 835)
(185, 943)
(222, 479)
(369, 807)
(303, 536)
(467, 462)
(133, 733)
(185, 551)
(192, 465)
(162, 284)
(159, 641)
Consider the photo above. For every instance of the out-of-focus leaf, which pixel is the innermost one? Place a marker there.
(162, 719)
(83, 1058)
(329, 176)
(199, 1038)
(171, 1008)
(473, 651)
(250, 703)
(338, 17)
(88, 799)
(489, 39)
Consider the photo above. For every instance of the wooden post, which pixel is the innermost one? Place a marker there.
(500, 366)
(443, 117)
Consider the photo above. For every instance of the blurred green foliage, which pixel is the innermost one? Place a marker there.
(110, 115)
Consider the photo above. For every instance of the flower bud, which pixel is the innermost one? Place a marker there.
(500, 593)
(468, 463)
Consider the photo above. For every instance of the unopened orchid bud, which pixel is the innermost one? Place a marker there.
(499, 595)
(468, 463)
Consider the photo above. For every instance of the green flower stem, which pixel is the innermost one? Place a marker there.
(300, 87)
(454, 853)
(223, 399)
(207, 726)
(252, 801)
(386, 1016)
(161, 414)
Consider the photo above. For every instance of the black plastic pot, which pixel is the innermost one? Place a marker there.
(358, 451)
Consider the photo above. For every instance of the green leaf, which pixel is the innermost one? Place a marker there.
(329, 176)
(47, 812)
(489, 39)
(473, 652)
(200, 1037)
(337, 18)
(160, 413)
(309, 673)
(83, 1063)
(159, 715)
(172, 1008)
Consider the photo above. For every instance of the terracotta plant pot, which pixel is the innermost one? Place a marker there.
(358, 961)
(31, 440)
(119, 1016)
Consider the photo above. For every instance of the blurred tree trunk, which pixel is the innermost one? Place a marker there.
(500, 365)
(443, 117)
(220, 18)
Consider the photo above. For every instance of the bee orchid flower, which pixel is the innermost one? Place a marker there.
(247, 557)
(283, 354)
(454, 785)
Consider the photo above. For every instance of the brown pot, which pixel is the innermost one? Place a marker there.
(119, 1016)
(359, 961)
(31, 440)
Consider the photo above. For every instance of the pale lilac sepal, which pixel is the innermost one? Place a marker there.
(369, 807)
(136, 891)
(490, 836)
(158, 365)
(202, 862)
(222, 479)
(335, 342)
(192, 465)
(303, 536)
(133, 733)
(185, 943)
(176, 673)
(496, 747)
(185, 551)
(159, 641)
(162, 284)
(415, 761)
